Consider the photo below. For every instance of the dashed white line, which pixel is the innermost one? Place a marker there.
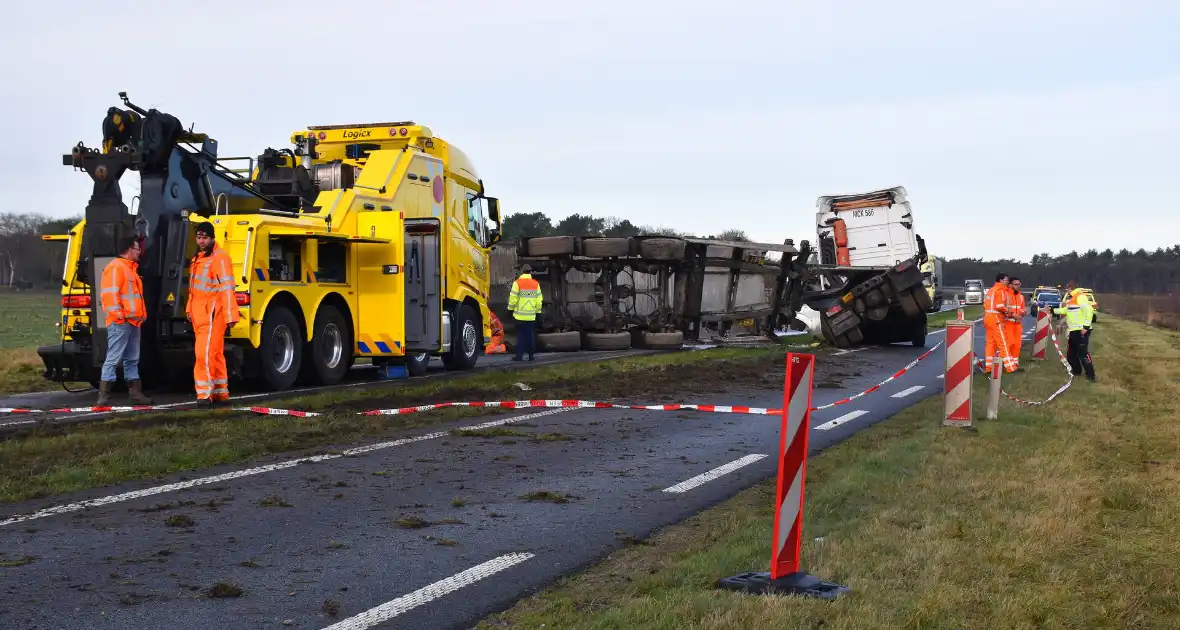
(942, 376)
(907, 391)
(703, 478)
(429, 593)
(832, 424)
(192, 483)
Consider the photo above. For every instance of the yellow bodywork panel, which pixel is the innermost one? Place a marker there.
(381, 299)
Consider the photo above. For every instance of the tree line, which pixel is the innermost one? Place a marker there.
(1140, 272)
(27, 261)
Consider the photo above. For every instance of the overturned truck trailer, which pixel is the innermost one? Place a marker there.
(657, 292)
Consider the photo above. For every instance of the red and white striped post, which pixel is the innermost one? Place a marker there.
(1041, 335)
(784, 577)
(960, 370)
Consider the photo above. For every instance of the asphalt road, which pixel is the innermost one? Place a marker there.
(301, 539)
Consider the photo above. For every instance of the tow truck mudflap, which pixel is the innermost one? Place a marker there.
(67, 363)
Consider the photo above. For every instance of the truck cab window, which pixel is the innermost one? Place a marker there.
(477, 223)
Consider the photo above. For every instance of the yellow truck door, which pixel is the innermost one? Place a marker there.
(380, 284)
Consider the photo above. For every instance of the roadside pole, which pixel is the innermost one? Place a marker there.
(785, 576)
(1041, 335)
(993, 390)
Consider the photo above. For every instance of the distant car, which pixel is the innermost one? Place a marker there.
(974, 292)
(1093, 301)
(1045, 298)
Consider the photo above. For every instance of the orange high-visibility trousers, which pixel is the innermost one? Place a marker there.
(997, 341)
(1013, 332)
(210, 377)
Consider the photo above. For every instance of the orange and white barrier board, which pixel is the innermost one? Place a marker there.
(960, 356)
(785, 576)
(1041, 335)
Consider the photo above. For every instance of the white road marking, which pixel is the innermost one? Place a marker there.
(291, 463)
(427, 594)
(942, 376)
(907, 391)
(703, 478)
(848, 417)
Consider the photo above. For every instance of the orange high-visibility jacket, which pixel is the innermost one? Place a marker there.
(211, 286)
(996, 305)
(121, 293)
(1017, 307)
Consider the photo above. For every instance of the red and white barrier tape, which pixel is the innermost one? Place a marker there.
(504, 404)
(874, 388)
(981, 364)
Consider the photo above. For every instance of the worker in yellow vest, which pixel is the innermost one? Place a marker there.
(1079, 317)
(524, 300)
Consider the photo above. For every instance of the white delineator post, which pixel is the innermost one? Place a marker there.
(993, 390)
(785, 576)
(1041, 335)
(960, 368)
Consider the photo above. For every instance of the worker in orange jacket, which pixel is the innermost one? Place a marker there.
(1014, 330)
(211, 308)
(996, 306)
(496, 345)
(121, 295)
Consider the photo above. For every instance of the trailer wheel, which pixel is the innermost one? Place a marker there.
(330, 344)
(909, 305)
(662, 340)
(551, 246)
(465, 343)
(607, 341)
(662, 249)
(605, 247)
(416, 364)
(559, 341)
(281, 352)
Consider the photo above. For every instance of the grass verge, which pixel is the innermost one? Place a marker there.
(26, 321)
(1063, 516)
(52, 460)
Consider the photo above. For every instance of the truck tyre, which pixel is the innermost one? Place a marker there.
(922, 298)
(416, 363)
(465, 342)
(918, 338)
(329, 346)
(607, 341)
(662, 340)
(551, 246)
(909, 305)
(662, 249)
(559, 341)
(605, 247)
(281, 351)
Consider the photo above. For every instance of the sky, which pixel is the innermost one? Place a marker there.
(1016, 127)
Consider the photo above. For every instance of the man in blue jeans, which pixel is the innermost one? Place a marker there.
(121, 294)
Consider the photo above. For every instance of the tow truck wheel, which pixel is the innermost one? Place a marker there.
(465, 343)
(416, 364)
(281, 351)
(329, 343)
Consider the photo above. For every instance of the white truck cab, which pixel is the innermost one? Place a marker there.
(973, 292)
(873, 229)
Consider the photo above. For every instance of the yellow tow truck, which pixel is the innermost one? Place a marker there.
(364, 241)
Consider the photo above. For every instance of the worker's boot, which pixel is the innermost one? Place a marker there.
(104, 394)
(135, 393)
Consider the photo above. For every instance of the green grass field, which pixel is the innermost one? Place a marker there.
(26, 321)
(1057, 516)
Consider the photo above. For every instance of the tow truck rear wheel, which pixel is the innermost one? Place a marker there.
(416, 363)
(329, 344)
(465, 341)
(281, 351)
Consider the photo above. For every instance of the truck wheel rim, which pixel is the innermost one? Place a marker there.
(334, 345)
(468, 338)
(283, 349)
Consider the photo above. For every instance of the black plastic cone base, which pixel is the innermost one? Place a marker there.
(798, 583)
